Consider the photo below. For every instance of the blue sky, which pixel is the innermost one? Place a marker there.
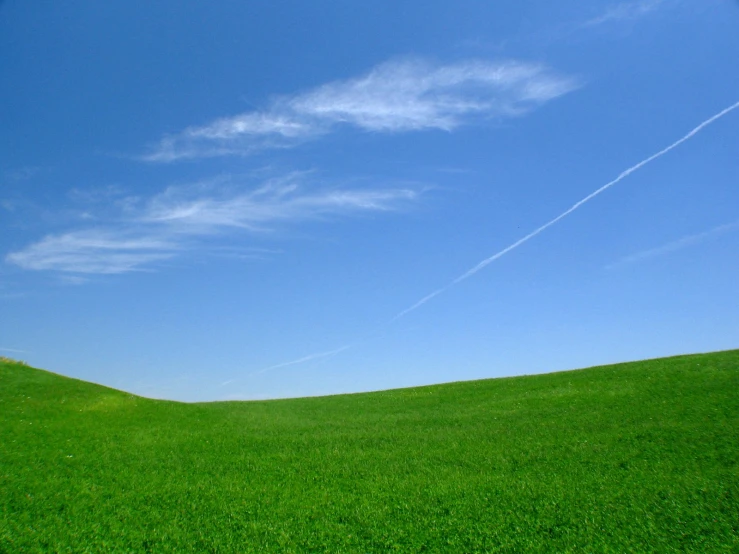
(238, 200)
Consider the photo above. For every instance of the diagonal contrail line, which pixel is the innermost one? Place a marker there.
(564, 214)
(307, 358)
(13, 350)
(469, 273)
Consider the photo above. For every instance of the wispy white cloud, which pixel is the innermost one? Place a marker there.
(102, 251)
(626, 11)
(415, 95)
(180, 218)
(674, 246)
(279, 200)
(398, 96)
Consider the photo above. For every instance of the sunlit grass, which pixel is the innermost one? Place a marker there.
(638, 457)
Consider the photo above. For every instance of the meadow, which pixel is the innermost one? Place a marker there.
(635, 457)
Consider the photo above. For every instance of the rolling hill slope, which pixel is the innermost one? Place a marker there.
(636, 457)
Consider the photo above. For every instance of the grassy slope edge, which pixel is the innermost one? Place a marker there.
(634, 457)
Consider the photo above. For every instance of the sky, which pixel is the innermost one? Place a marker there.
(248, 200)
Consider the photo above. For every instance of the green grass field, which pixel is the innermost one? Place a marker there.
(637, 457)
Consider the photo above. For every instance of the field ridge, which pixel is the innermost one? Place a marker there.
(634, 457)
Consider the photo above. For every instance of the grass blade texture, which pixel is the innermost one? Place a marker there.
(636, 457)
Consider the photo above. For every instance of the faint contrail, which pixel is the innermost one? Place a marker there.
(519, 242)
(564, 214)
(679, 244)
(303, 359)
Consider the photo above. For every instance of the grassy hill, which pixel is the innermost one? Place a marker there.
(636, 457)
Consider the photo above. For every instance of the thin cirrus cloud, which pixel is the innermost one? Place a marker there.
(102, 251)
(279, 200)
(626, 11)
(180, 219)
(394, 97)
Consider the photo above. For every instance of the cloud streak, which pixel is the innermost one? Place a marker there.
(394, 97)
(625, 11)
(178, 219)
(676, 245)
(278, 200)
(102, 251)
(484, 263)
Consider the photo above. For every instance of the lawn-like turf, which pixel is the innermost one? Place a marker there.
(637, 457)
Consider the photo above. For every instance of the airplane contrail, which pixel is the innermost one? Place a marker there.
(678, 244)
(564, 214)
(303, 359)
(469, 273)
